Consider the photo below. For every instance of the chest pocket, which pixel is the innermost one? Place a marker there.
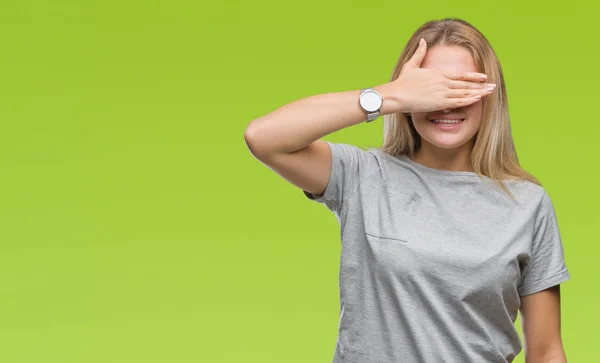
(391, 212)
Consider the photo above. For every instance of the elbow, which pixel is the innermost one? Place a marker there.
(559, 357)
(556, 356)
(252, 139)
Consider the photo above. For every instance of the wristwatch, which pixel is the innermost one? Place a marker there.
(370, 101)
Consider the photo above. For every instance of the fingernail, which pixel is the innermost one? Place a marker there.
(483, 76)
(491, 88)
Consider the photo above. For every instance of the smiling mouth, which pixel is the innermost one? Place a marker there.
(446, 122)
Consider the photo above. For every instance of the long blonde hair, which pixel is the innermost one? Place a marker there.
(494, 154)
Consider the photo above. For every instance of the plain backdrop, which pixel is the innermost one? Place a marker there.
(135, 226)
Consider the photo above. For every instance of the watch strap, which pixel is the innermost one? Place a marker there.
(372, 116)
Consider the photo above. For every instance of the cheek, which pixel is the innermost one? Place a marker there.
(418, 116)
(473, 113)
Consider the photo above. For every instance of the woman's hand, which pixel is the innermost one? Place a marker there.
(423, 90)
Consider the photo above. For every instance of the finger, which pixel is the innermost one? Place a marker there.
(469, 85)
(417, 58)
(466, 76)
(469, 92)
(461, 101)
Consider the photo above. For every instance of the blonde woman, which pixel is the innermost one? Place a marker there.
(445, 238)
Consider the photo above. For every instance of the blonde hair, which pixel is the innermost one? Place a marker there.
(493, 154)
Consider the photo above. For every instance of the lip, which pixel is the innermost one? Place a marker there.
(447, 127)
(445, 117)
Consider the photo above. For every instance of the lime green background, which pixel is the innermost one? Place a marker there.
(135, 226)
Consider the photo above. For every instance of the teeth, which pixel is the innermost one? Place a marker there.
(446, 121)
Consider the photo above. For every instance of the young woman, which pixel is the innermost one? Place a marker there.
(444, 236)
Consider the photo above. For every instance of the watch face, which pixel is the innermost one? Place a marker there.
(370, 101)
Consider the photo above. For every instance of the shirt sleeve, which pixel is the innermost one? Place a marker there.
(546, 265)
(350, 165)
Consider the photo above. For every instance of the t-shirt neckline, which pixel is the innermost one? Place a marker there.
(434, 171)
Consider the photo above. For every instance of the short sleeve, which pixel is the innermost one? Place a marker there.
(350, 165)
(546, 266)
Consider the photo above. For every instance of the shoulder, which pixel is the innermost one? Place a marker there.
(532, 198)
(527, 190)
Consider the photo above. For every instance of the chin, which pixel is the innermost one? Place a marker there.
(447, 141)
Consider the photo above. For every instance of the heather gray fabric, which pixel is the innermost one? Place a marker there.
(433, 262)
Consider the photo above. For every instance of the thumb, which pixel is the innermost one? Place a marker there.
(417, 58)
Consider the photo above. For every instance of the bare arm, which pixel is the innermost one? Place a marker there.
(297, 124)
(540, 322)
(288, 139)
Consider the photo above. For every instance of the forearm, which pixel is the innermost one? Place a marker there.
(299, 123)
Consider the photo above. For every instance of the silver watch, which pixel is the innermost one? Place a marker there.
(370, 101)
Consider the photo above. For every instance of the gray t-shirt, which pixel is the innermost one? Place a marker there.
(433, 262)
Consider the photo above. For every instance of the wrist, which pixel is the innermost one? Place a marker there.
(391, 104)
